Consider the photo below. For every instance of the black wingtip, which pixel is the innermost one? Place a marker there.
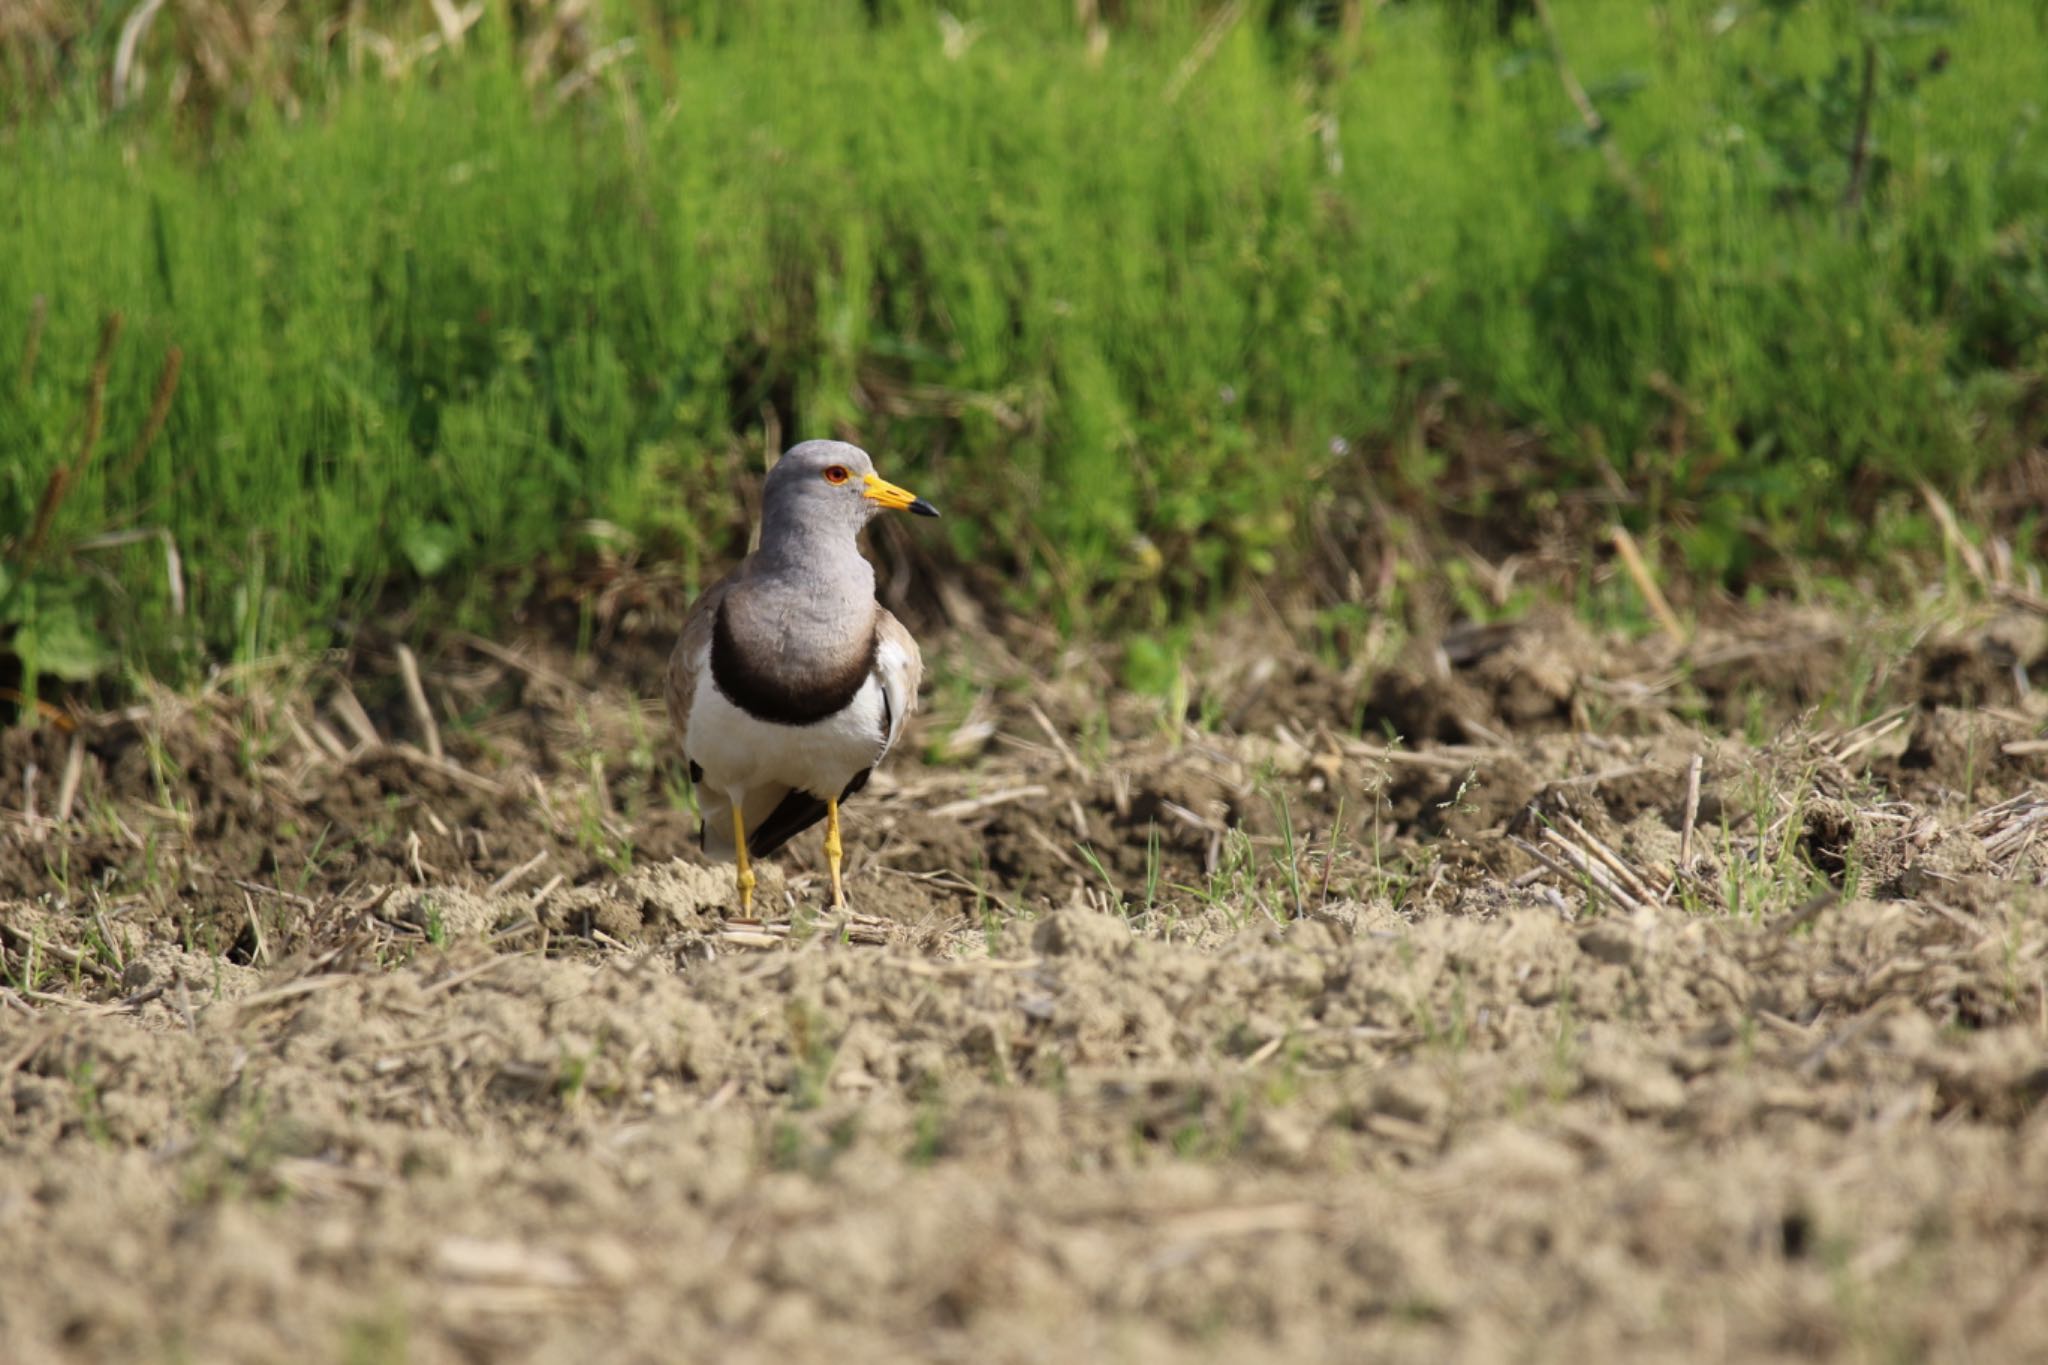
(922, 508)
(794, 814)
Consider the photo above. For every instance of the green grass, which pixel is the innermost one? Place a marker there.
(435, 326)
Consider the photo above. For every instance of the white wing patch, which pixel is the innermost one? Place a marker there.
(894, 670)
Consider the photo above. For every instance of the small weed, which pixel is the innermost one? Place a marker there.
(786, 1146)
(1116, 895)
(1562, 1070)
(25, 969)
(91, 1112)
(316, 858)
(813, 1051)
(929, 1143)
(435, 927)
(378, 1340)
(1289, 861)
(572, 1074)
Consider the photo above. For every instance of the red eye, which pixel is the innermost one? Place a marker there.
(837, 474)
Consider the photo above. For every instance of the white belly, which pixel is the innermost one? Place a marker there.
(739, 753)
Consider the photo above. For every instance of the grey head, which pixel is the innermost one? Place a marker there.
(827, 489)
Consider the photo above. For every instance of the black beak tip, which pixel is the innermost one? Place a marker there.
(923, 509)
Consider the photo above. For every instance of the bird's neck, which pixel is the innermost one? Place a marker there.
(808, 597)
(821, 560)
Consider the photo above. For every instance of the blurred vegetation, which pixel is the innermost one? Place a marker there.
(316, 306)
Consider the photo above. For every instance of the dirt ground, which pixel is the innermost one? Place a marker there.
(1513, 994)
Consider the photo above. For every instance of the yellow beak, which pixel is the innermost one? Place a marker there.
(880, 490)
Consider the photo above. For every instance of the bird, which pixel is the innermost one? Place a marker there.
(789, 681)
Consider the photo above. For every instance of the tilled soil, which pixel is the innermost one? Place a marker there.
(1516, 994)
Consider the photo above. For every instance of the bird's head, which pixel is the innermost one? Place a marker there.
(831, 483)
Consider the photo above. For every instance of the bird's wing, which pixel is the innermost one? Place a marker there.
(899, 667)
(692, 647)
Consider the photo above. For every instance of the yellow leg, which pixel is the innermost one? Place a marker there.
(745, 876)
(832, 852)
